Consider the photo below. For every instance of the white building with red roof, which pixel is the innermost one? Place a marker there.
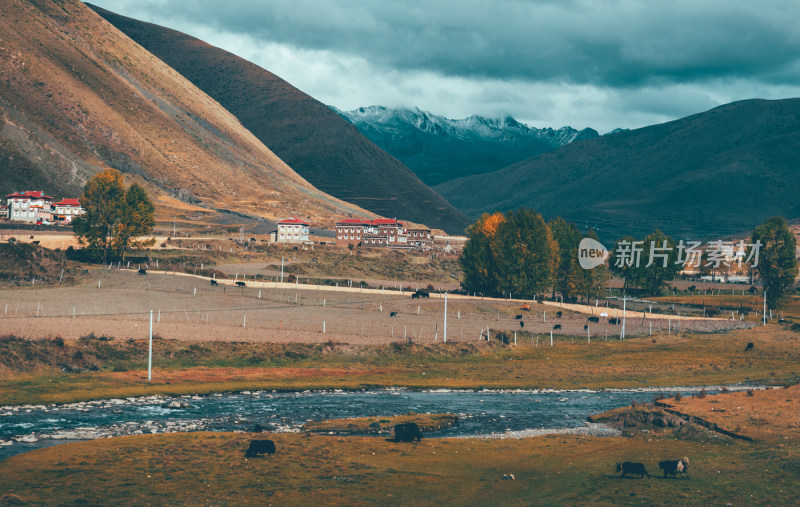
(67, 209)
(29, 206)
(292, 230)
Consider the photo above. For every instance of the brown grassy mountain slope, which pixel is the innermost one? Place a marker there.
(321, 146)
(716, 173)
(77, 95)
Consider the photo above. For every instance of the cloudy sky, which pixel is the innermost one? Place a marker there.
(548, 63)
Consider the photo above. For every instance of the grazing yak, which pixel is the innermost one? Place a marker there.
(633, 469)
(521, 323)
(615, 321)
(142, 271)
(585, 328)
(260, 447)
(392, 314)
(420, 294)
(749, 347)
(675, 467)
(241, 284)
(596, 320)
(559, 314)
(518, 317)
(214, 283)
(557, 326)
(407, 432)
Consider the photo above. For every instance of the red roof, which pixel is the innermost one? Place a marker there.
(29, 194)
(361, 221)
(68, 202)
(353, 221)
(292, 220)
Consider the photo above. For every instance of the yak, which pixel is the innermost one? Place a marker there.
(632, 468)
(596, 320)
(260, 447)
(407, 432)
(749, 347)
(675, 467)
(241, 284)
(557, 326)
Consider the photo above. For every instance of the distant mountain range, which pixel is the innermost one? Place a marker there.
(439, 149)
(316, 142)
(712, 174)
(78, 96)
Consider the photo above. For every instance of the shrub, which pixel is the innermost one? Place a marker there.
(702, 393)
(677, 397)
(503, 337)
(750, 392)
(724, 390)
(58, 341)
(78, 355)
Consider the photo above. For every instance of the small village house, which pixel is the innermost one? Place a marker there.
(292, 230)
(67, 209)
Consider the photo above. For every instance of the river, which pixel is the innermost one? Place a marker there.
(483, 413)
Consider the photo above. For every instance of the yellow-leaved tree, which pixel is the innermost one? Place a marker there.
(114, 220)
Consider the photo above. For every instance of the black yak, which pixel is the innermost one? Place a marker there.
(557, 326)
(632, 468)
(260, 447)
(407, 432)
(749, 347)
(596, 320)
(675, 467)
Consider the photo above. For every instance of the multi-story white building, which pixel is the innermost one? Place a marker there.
(29, 206)
(66, 210)
(292, 230)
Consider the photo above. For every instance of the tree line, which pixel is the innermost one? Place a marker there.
(519, 254)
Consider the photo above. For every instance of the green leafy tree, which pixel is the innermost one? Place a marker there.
(509, 254)
(659, 262)
(114, 218)
(647, 264)
(593, 282)
(777, 261)
(525, 254)
(568, 277)
(625, 261)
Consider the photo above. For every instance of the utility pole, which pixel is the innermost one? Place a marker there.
(765, 307)
(622, 334)
(150, 356)
(444, 330)
(281, 269)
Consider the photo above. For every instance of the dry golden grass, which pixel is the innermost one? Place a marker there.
(209, 468)
(767, 414)
(366, 425)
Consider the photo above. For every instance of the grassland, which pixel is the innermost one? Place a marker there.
(187, 367)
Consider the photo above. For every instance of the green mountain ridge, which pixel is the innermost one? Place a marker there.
(712, 174)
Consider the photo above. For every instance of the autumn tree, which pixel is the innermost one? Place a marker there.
(777, 261)
(114, 218)
(509, 254)
(477, 260)
(525, 254)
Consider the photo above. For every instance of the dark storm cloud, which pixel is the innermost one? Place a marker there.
(607, 44)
